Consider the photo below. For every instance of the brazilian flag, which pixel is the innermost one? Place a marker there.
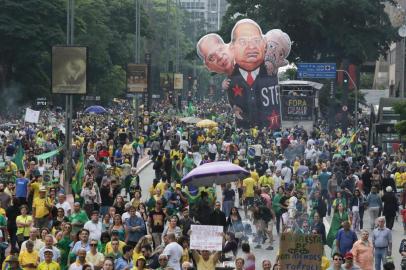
(77, 180)
(19, 157)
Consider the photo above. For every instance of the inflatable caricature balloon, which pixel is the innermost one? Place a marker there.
(251, 61)
(215, 54)
(277, 49)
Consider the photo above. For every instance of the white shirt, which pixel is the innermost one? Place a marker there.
(55, 257)
(174, 252)
(279, 163)
(286, 172)
(38, 244)
(95, 229)
(278, 182)
(309, 153)
(212, 147)
(167, 145)
(183, 145)
(66, 207)
(310, 142)
(244, 73)
(126, 215)
(258, 149)
(77, 266)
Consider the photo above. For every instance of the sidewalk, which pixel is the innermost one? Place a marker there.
(141, 165)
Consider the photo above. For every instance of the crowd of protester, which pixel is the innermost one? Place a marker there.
(297, 179)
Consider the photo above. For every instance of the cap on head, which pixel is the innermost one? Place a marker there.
(48, 251)
(348, 256)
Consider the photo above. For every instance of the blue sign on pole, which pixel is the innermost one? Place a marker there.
(316, 70)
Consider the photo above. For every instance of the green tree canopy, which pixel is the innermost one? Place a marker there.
(357, 30)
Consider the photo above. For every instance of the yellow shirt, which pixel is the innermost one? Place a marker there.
(254, 175)
(206, 265)
(26, 257)
(266, 181)
(35, 188)
(200, 139)
(26, 220)
(94, 259)
(249, 184)
(40, 207)
(109, 249)
(174, 153)
(403, 178)
(161, 186)
(11, 168)
(398, 179)
(52, 266)
(136, 255)
(111, 150)
(296, 166)
(127, 149)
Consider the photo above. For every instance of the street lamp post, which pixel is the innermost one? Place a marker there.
(137, 49)
(356, 94)
(70, 27)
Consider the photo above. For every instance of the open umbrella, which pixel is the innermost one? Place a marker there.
(190, 120)
(219, 172)
(95, 110)
(206, 123)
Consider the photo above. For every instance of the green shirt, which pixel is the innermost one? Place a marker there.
(3, 221)
(188, 163)
(276, 203)
(78, 218)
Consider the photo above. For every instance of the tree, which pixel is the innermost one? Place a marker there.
(357, 30)
(28, 29)
(400, 108)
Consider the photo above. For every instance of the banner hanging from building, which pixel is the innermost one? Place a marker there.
(69, 70)
(178, 81)
(166, 81)
(137, 78)
(297, 108)
(251, 62)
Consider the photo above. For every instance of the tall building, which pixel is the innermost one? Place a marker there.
(390, 70)
(209, 11)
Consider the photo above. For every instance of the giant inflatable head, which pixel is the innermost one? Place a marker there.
(248, 44)
(216, 55)
(278, 46)
(250, 61)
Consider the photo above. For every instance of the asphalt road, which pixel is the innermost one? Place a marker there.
(147, 175)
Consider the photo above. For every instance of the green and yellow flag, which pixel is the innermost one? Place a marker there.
(77, 180)
(19, 157)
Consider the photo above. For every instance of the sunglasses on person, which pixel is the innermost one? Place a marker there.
(93, 245)
(338, 259)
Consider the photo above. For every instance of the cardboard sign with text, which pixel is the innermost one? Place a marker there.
(300, 251)
(204, 237)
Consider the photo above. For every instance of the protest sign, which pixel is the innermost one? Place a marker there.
(297, 108)
(204, 237)
(300, 250)
(31, 116)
